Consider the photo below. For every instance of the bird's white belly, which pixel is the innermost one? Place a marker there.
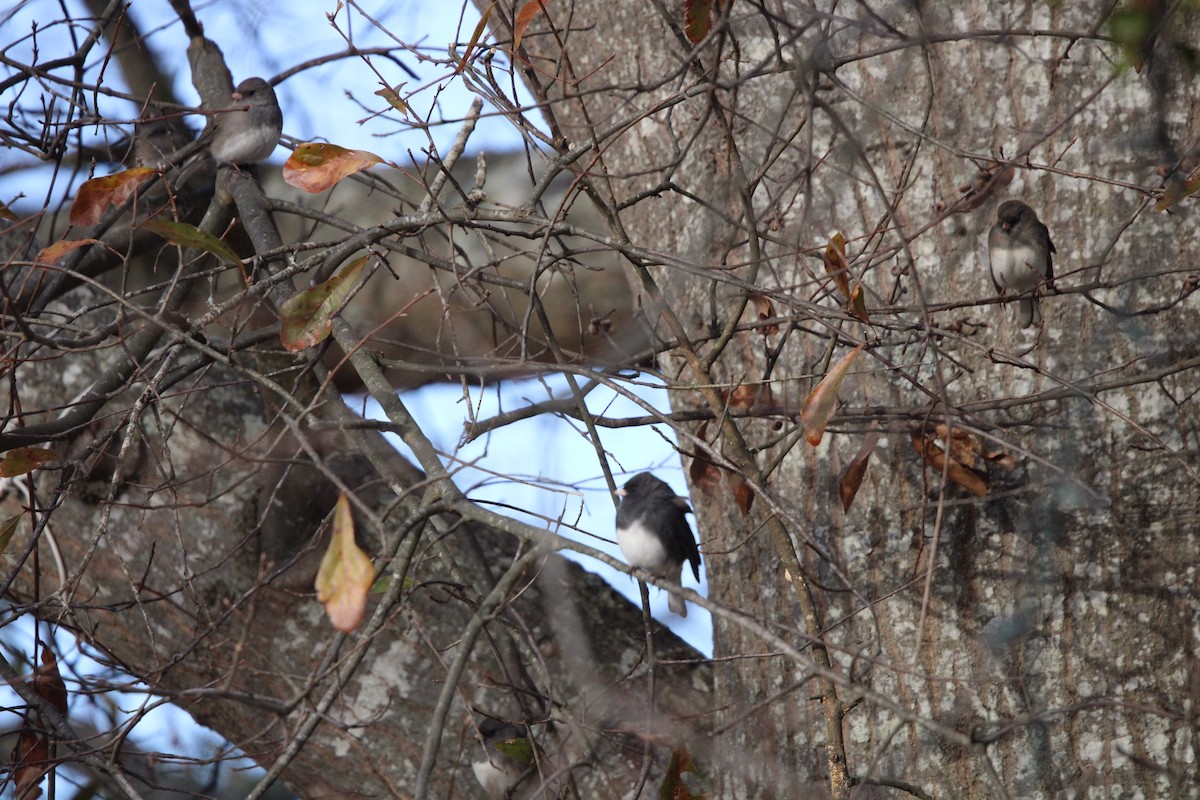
(1017, 270)
(641, 548)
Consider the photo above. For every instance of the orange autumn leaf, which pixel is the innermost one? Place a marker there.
(743, 495)
(822, 401)
(96, 195)
(52, 253)
(307, 318)
(704, 474)
(346, 573)
(697, 19)
(317, 166)
(475, 36)
(524, 17)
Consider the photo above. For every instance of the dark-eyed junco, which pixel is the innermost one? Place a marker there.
(1020, 249)
(653, 532)
(248, 131)
(507, 757)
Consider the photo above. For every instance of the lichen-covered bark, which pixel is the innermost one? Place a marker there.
(1052, 621)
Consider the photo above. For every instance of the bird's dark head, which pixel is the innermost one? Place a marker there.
(642, 485)
(1011, 212)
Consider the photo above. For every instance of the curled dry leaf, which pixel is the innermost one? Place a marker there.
(960, 468)
(743, 495)
(984, 186)
(822, 401)
(96, 195)
(673, 785)
(697, 19)
(346, 573)
(766, 310)
(392, 96)
(307, 318)
(48, 682)
(317, 166)
(853, 476)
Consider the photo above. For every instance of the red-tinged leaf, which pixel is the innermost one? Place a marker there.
(743, 495)
(31, 758)
(673, 787)
(836, 264)
(929, 448)
(749, 395)
(392, 96)
(317, 166)
(185, 235)
(697, 19)
(96, 195)
(52, 253)
(307, 317)
(524, 17)
(704, 474)
(853, 476)
(984, 186)
(822, 401)
(48, 682)
(462, 64)
(7, 529)
(858, 303)
(24, 459)
(766, 310)
(346, 573)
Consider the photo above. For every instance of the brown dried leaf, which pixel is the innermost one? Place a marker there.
(48, 682)
(307, 317)
(858, 303)
(317, 166)
(673, 787)
(766, 310)
(743, 495)
(984, 186)
(96, 195)
(346, 573)
(31, 758)
(822, 401)
(704, 474)
(836, 264)
(7, 529)
(967, 477)
(852, 478)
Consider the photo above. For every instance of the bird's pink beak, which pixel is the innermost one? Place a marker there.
(621, 492)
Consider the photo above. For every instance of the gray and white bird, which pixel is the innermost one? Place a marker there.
(653, 532)
(248, 131)
(1020, 252)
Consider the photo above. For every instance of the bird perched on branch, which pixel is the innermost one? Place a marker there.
(248, 131)
(654, 534)
(1019, 249)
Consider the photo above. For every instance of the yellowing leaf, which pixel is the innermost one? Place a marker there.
(7, 213)
(307, 317)
(7, 529)
(185, 235)
(462, 63)
(316, 166)
(52, 253)
(766, 310)
(822, 401)
(392, 96)
(524, 17)
(346, 573)
(96, 195)
(24, 459)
